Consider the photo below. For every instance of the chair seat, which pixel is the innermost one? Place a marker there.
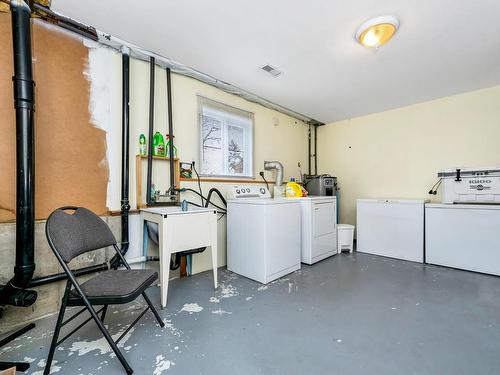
(114, 287)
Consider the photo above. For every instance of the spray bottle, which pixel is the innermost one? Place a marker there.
(169, 144)
(142, 145)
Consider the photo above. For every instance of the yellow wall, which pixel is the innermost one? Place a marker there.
(397, 153)
(286, 142)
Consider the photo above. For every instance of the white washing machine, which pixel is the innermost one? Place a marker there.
(263, 234)
(319, 227)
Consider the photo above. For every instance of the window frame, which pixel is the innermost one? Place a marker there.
(202, 101)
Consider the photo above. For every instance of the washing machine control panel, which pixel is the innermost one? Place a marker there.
(248, 191)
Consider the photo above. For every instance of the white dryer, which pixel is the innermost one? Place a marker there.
(319, 227)
(263, 234)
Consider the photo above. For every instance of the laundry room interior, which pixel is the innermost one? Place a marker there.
(220, 188)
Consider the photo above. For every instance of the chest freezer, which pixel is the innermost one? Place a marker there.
(391, 227)
(463, 236)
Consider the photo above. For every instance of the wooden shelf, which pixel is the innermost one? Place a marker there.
(156, 157)
(138, 175)
(226, 180)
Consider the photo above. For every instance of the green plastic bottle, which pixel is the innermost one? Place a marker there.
(142, 145)
(158, 145)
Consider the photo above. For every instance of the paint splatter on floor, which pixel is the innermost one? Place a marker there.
(228, 291)
(262, 287)
(101, 345)
(53, 369)
(191, 308)
(221, 312)
(161, 365)
(170, 326)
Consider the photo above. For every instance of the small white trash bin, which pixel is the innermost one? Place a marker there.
(345, 237)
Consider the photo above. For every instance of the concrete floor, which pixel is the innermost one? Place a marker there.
(350, 314)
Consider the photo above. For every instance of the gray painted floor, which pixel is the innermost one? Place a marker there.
(350, 314)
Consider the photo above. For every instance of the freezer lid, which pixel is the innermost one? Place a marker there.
(392, 200)
(464, 206)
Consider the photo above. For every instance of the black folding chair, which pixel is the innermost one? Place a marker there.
(73, 234)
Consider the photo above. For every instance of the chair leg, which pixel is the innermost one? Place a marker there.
(104, 310)
(55, 336)
(153, 310)
(107, 336)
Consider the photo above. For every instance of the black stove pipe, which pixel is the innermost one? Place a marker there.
(125, 205)
(14, 292)
(149, 200)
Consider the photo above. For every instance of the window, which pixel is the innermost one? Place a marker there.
(226, 140)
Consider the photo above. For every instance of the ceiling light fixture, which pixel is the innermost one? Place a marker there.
(377, 31)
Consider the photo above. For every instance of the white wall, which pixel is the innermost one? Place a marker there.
(397, 153)
(286, 142)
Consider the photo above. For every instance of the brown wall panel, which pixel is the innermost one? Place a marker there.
(7, 124)
(70, 152)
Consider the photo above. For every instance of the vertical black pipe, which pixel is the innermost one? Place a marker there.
(125, 205)
(316, 149)
(24, 103)
(309, 148)
(14, 292)
(170, 131)
(151, 125)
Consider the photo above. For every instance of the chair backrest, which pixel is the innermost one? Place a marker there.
(73, 234)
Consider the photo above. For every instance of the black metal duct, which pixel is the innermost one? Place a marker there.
(149, 200)
(125, 205)
(14, 292)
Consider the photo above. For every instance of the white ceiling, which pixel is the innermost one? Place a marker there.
(443, 47)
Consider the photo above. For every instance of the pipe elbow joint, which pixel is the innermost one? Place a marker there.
(270, 165)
